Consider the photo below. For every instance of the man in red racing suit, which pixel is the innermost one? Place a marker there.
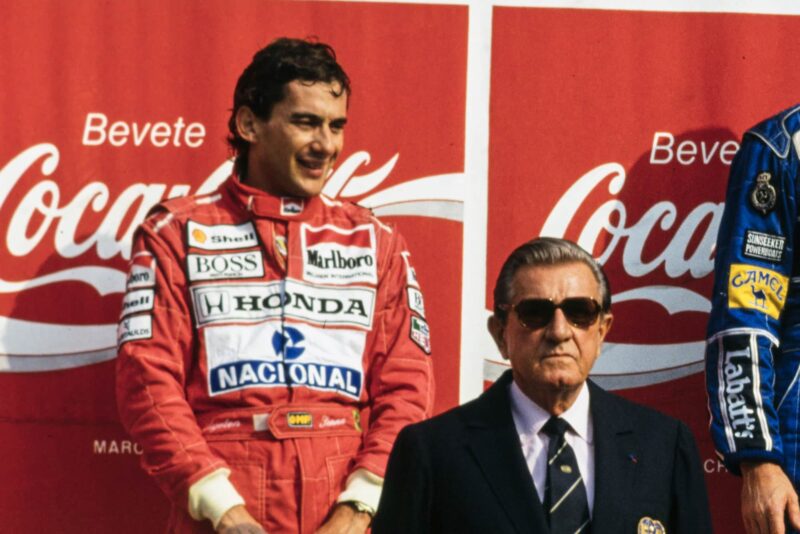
(273, 341)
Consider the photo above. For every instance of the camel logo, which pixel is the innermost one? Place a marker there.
(756, 288)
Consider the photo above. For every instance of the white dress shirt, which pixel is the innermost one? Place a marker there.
(529, 418)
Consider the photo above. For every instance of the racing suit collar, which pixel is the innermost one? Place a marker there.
(262, 204)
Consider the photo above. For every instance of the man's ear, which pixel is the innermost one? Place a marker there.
(497, 328)
(246, 124)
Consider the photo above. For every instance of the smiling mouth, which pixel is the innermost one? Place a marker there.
(315, 166)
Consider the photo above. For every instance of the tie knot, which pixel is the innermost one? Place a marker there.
(555, 427)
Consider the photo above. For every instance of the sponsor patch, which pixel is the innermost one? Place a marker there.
(299, 420)
(221, 236)
(271, 355)
(416, 302)
(220, 303)
(136, 327)
(333, 255)
(142, 271)
(763, 197)
(648, 525)
(756, 288)
(763, 246)
(739, 395)
(421, 334)
(411, 274)
(292, 206)
(137, 301)
(234, 265)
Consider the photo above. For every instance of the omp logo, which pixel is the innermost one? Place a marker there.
(337, 255)
(299, 420)
(221, 236)
(290, 298)
(225, 266)
(757, 289)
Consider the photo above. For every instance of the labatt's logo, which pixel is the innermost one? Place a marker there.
(621, 364)
(32, 346)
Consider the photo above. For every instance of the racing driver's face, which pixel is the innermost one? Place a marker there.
(292, 152)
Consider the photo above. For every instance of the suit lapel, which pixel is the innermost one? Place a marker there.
(616, 455)
(494, 444)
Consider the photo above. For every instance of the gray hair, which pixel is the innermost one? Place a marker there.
(546, 251)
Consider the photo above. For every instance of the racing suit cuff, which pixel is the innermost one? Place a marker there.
(363, 487)
(212, 496)
(733, 461)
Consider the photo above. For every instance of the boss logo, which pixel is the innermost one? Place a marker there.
(225, 266)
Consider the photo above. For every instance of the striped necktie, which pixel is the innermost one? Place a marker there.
(565, 502)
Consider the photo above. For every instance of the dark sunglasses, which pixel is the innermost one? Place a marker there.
(537, 313)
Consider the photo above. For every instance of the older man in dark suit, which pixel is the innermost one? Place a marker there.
(544, 450)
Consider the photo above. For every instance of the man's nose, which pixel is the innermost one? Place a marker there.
(324, 141)
(559, 328)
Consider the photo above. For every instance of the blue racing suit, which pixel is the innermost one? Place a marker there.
(753, 351)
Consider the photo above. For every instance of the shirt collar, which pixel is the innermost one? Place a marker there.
(262, 204)
(533, 417)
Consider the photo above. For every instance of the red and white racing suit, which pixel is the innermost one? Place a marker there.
(279, 340)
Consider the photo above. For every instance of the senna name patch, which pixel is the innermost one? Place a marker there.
(761, 246)
(756, 288)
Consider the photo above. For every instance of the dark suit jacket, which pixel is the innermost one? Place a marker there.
(464, 472)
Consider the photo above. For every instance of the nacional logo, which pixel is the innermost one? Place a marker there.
(221, 236)
(288, 343)
(294, 357)
(226, 303)
(757, 288)
(225, 266)
(340, 256)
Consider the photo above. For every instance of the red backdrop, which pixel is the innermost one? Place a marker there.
(614, 128)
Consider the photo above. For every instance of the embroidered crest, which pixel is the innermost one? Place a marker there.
(763, 196)
(648, 525)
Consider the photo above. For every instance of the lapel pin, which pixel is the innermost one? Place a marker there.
(648, 525)
(633, 458)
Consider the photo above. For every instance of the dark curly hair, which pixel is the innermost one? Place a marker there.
(262, 83)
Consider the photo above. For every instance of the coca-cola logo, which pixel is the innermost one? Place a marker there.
(611, 234)
(45, 223)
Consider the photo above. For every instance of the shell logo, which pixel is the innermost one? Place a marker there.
(199, 235)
